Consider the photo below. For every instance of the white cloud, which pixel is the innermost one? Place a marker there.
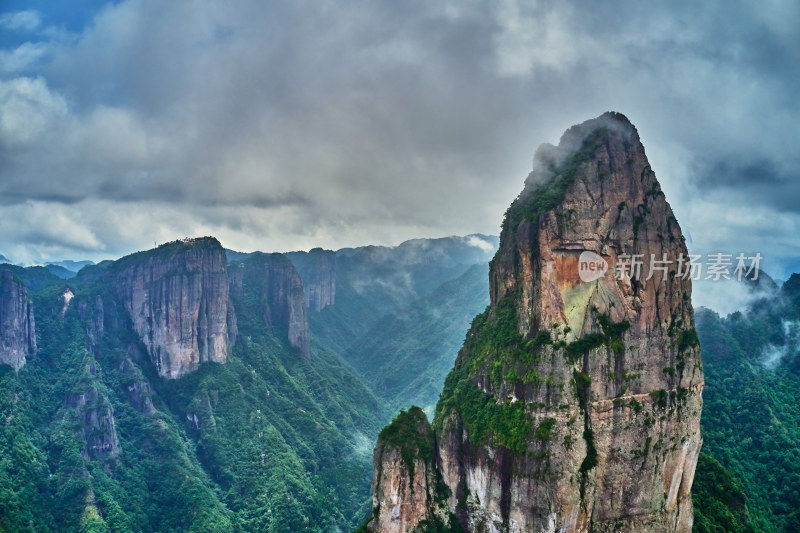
(772, 354)
(723, 296)
(28, 110)
(27, 20)
(280, 127)
(21, 58)
(532, 36)
(480, 243)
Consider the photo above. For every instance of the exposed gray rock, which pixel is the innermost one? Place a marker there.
(17, 325)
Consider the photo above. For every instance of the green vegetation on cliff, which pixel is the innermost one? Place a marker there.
(494, 349)
(411, 433)
(156, 483)
(93, 440)
(751, 406)
(719, 501)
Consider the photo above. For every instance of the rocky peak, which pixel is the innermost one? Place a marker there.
(176, 296)
(594, 192)
(280, 295)
(791, 287)
(96, 418)
(17, 327)
(406, 479)
(317, 269)
(575, 402)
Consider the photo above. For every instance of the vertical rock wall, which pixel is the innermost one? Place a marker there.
(17, 325)
(177, 299)
(575, 402)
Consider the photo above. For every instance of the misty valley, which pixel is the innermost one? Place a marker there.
(473, 383)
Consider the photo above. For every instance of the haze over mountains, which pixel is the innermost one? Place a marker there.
(175, 388)
(266, 266)
(547, 421)
(189, 387)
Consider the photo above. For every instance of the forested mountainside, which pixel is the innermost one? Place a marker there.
(751, 418)
(408, 353)
(182, 388)
(398, 315)
(372, 282)
(169, 392)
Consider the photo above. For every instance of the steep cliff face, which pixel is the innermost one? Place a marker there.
(139, 392)
(96, 418)
(177, 299)
(317, 269)
(575, 402)
(406, 478)
(273, 279)
(17, 327)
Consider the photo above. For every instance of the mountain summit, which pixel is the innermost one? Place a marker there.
(574, 404)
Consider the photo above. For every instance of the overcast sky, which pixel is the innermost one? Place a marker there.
(287, 125)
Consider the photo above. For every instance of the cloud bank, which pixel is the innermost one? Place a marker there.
(282, 126)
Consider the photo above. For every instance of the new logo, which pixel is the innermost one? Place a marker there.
(591, 266)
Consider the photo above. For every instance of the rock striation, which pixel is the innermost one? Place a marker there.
(177, 299)
(575, 402)
(96, 419)
(17, 325)
(273, 279)
(406, 478)
(317, 269)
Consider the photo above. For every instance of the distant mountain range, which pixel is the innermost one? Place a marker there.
(190, 387)
(193, 388)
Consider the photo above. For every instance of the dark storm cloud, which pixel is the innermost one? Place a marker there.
(290, 125)
(759, 180)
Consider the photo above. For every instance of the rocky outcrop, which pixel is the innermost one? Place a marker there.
(281, 302)
(177, 299)
(66, 298)
(317, 269)
(575, 402)
(96, 418)
(140, 395)
(406, 480)
(94, 318)
(102, 315)
(97, 424)
(17, 326)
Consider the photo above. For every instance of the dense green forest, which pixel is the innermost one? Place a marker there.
(267, 441)
(751, 410)
(93, 440)
(719, 501)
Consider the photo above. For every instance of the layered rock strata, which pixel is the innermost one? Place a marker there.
(177, 299)
(575, 402)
